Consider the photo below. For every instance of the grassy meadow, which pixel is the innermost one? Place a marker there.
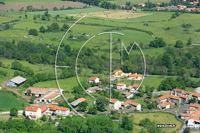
(123, 2)
(159, 118)
(8, 101)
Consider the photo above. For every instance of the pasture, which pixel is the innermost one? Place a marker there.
(112, 14)
(37, 68)
(159, 118)
(63, 12)
(8, 101)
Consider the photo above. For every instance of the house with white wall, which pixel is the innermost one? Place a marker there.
(131, 103)
(121, 86)
(93, 80)
(114, 103)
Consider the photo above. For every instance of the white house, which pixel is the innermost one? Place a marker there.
(133, 104)
(193, 120)
(33, 112)
(165, 105)
(121, 86)
(62, 111)
(94, 80)
(127, 95)
(114, 103)
(142, 4)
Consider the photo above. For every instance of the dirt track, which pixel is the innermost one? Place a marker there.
(49, 5)
(14, 90)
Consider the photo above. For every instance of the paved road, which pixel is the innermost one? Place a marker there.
(179, 110)
(8, 112)
(182, 129)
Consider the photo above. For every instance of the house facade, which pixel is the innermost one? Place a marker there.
(135, 76)
(121, 86)
(33, 112)
(133, 105)
(118, 73)
(93, 80)
(114, 103)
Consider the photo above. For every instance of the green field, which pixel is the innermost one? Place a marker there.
(94, 9)
(37, 68)
(159, 118)
(8, 101)
(28, 1)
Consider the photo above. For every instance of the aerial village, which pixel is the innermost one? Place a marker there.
(162, 7)
(45, 98)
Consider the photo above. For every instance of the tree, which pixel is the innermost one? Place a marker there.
(193, 100)
(55, 27)
(33, 32)
(47, 12)
(50, 120)
(179, 44)
(173, 16)
(42, 29)
(32, 99)
(65, 26)
(26, 16)
(44, 118)
(93, 110)
(34, 17)
(127, 124)
(101, 103)
(82, 106)
(189, 42)
(13, 41)
(7, 26)
(16, 65)
(28, 92)
(14, 112)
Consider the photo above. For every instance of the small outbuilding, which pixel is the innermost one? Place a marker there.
(17, 81)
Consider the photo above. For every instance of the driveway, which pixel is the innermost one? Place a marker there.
(177, 111)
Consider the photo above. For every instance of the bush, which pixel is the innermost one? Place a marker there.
(33, 32)
(14, 112)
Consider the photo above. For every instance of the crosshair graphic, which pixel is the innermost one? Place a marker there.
(122, 46)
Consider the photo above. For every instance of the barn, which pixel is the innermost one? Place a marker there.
(15, 82)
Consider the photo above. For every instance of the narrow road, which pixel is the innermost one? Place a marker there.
(8, 112)
(13, 90)
(178, 110)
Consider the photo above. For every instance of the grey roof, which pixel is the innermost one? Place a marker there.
(18, 80)
(76, 102)
(197, 89)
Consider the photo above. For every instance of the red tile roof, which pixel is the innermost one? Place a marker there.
(191, 109)
(36, 90)
(194, 105)
(187, 92)
(182, 96)
(134, 7)
(195, 2)
(196, 94)
(135, 75)
(51, 96)
(130, 102)
(92, 78)
(120, 84)
(168, 96)
(171, 104)
(129, 87)
(31, 108)
(178, 90)
(81, 99)
(62, 108)
(112, 100)
(126, 94)
(43, 109)
(136, 85)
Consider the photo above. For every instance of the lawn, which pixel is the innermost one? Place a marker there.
(65, 84)
(159, 118)
(37, 68)
(8, 101)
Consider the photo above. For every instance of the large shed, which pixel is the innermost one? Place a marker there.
(15, 82)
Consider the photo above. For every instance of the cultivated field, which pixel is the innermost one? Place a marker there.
(8, 101)
(159, 118)
(42, 5)
(112, 14)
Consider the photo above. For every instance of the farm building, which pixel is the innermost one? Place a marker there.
(114, 103)
(94, 89)
(76, 102)
(17, 81)
(47, 95)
